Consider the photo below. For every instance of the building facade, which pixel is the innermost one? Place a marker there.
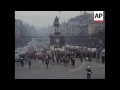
(63, 28)
(16, 30)
(95, 27)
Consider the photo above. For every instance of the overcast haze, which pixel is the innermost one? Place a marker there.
(41, 19)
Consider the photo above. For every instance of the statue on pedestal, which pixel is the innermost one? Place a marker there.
(56, 24)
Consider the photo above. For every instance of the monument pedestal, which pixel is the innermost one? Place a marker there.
(57, 41)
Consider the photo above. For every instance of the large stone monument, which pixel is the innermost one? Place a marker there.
(56, 40)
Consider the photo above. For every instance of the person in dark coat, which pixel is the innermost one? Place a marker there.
(73, 61)
(81, 57)
(95, 55)
(21, 60)
(53, 58)
(90, 56)
(64, 60)
(43, 59)
(98, 57)
(73, 54)
(77, 54)
(23, 55)
(48, 56)
(103, 58)
(61, 59)
(69, 54)
(47, 62)
(71, 58)
(29, 63)
(57, 59)
(89, 72)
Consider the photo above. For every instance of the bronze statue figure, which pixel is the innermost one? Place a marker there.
(56, 23)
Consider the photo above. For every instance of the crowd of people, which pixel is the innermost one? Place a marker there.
(63, 57)
(67, 57)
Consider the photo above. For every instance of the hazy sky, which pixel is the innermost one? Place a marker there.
(41, 19)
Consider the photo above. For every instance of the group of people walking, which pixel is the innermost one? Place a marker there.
(60, 58)
(67, 57)
(63, 57)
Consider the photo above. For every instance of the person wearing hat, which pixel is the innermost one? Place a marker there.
(89, 72)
